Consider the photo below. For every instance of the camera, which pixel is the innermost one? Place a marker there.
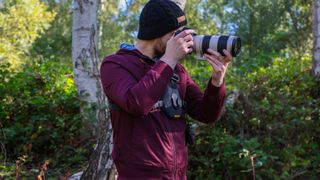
(201, 43)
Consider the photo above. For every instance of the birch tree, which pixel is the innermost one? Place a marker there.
(87, 80)
(316, 39)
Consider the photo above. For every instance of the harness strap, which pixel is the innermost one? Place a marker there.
(115, 107)
(158, 104)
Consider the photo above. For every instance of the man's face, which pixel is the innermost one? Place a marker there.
(161, 43)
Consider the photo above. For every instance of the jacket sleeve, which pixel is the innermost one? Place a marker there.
(134, 97)
(205, 107)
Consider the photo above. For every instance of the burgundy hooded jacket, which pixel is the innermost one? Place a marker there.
(148, 145)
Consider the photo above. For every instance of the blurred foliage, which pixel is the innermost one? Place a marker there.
(39, 114)
(268, 29)
(273, 125)
(278, 125)
(21, 22)
(56, 41)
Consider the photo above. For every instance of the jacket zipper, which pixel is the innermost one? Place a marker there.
(174, 158)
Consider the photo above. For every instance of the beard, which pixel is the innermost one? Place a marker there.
(159, 50)
(158, 53)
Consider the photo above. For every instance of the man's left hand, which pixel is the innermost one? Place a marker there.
(219, 64)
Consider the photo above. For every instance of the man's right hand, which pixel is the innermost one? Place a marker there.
(178, 47)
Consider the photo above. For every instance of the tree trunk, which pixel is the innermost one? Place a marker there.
(251, 27)
(180, 3)
(316, 39)
(87, 80)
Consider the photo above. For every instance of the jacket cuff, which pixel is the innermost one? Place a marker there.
(214, 92)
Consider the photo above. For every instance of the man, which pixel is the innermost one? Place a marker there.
(149, 143)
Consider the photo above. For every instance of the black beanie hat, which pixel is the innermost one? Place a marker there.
(159, 17)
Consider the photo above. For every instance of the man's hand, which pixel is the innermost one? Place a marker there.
(178, 47)
(219, 64)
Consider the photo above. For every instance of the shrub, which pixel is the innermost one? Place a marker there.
(39, 114)
(279, 130)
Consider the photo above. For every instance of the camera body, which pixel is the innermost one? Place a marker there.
(201, 43)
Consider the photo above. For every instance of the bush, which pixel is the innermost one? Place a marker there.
(278, 130)
(39, 114)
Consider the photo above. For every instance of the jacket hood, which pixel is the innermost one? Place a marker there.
(128, 49)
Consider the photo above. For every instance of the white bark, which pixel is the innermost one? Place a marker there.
(316, 39)
(180, 3)
(84, 52)
(102, 7)
(87, 80)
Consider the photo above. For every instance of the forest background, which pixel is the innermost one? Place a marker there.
(270, 126)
